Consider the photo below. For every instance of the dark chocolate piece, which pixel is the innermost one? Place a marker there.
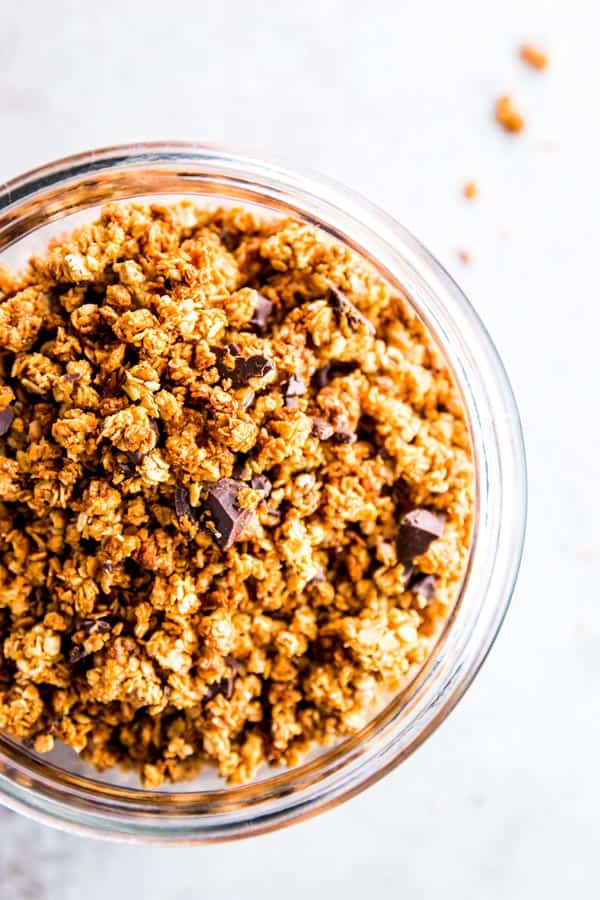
(251, 367)
(322, 428)
(183, 507)
(228, 518)
(295, 387)
(78, 652)
(343, 434)
(261, 483)
(233, 663)
(418, 529)
(248, 400)
(6, 418)
(318, 578)
(330, 370)
(229, 239)
(422, 584)
(95, 626)
(224, 686)
(262, 311)
(355, 318)
(244, 368)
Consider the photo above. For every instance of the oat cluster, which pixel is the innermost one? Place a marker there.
(235, 492)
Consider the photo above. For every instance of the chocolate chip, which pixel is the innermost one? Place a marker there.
(343, 434)
(228, 518)
(78, 652)
(252, 367)
(261, 483)
(331, 370)
(244, 368)
(418, 528)
(248, 400)
(230, 239)
(6, 418)
(322, 428)
(318, 578)
(233, 663)
(224, 687)
(295, 387)
(423, 585)
(353, 315)
(262, 310)
(134, 457)
(95, 626)
(183, 507)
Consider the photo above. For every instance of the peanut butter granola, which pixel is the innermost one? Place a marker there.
(235, 492)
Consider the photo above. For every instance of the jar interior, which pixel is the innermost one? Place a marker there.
(58, 210)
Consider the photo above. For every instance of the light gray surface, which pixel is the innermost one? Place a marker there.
(394, 99)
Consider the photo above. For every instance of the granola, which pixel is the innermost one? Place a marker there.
(236, 492)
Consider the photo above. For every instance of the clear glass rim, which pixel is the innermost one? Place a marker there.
(83, 805)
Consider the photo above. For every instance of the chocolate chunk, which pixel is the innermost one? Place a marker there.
(95, 626)
(418, 528)
(224, 687)
(234, 664)
(322, 428)
(183, 507)
(244, 368)
(352, 314)
(295, 387)
(230, 239)
(318, 578)
(331, 370)
(6, 418)
(261, 483)
(252, 367)
(78, 652)
(422, 584)
(248, 400)
(343, 434)
(229, 519)
(262, 310)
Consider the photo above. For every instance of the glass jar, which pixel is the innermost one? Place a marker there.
(62, 194)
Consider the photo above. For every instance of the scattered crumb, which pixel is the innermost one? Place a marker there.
(464, 256)
(507, 116)
(533, 56)
(470, 190)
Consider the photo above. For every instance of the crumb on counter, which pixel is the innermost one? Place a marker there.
(470, 189)
(236, 492)
(507, 116)
(533, 56)
(464, 256)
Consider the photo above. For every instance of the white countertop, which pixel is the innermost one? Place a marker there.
(395, 99)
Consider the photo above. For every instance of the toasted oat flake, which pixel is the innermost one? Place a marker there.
(236, 492)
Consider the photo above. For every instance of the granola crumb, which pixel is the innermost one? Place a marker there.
(507, 116)
(533, 56)
(464, 256)
(236, 492)
(470, 189)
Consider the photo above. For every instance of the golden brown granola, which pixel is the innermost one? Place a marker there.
(235, 492)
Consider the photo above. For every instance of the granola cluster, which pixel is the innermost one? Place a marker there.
(235, 492)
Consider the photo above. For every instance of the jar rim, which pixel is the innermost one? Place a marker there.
(83, 805)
